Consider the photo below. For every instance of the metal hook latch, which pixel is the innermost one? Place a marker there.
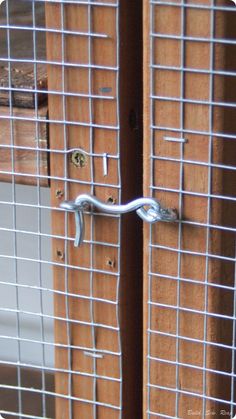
(152, 214)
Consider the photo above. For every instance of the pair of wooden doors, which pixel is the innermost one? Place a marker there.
(141, 100)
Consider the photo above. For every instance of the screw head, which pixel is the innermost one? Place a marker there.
(78, 159)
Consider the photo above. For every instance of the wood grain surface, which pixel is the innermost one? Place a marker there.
(199, 275)
(21, 45)
(90, 179)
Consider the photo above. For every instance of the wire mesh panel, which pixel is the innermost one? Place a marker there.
(67, 332)
(190, 266)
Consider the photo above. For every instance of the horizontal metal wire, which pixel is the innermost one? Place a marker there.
(191, 366)
(192, 131)
(193, 38)
(193, 70)
(209, 7)
(12, 89)
(194, 162)
(7, 412)
(193, 101)
(59, 122)
(53, 30)
(61, 64)
(191, 252)
(191, 393)
(80, 2)
(47, 207)
(61, 345)
(64, 179)
(190, 339)
(59, 264)
(192, 193)
(190, 310)
(63, 319)
(192, 281)
(63, 293)
(58, 151)
(60, 370)
(53, 236)
(161, 415)
(59, 395)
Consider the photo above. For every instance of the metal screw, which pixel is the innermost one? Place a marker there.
(78, 159)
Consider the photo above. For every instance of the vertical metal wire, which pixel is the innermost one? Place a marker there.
(118, 46)
(210, 151)
(14, 208)
(91, 136)
(181, 184)
(232, 406)
(68, 324)
(150, 229)
(37, 136)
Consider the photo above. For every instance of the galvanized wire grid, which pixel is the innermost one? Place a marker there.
(180, 397)
(26, 265)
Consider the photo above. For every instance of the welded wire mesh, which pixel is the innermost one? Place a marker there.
(191, 315)
(30, 341)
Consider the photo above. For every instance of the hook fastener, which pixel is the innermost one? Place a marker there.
(148, 209)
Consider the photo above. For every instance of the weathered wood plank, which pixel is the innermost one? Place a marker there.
(21, 47)
(22, 82)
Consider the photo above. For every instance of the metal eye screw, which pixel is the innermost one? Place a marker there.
(152, 214)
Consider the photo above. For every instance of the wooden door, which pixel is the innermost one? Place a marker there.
(189, 164)
(94, 96)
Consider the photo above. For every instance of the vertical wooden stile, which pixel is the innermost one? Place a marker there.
(196, 267)
(68, 181)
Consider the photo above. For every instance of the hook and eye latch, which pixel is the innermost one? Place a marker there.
(148, 209)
